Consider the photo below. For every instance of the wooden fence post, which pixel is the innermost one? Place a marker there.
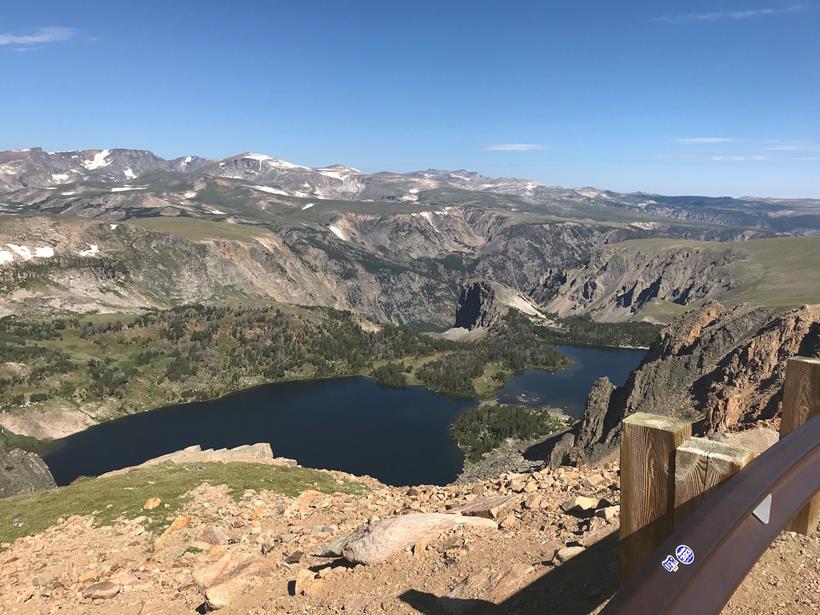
(801, 402)
(700, 465)
(648, 446)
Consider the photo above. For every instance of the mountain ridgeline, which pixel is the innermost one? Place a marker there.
(125, 230)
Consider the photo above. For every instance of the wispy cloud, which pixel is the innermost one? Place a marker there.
(514, 147)
(704, 140)
(740, 158)
(791, 146)
(37, 37)
(733, 15)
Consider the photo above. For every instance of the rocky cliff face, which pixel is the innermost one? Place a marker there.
(725, 365)
(483, 303)
(22, 472)
(404, 268)
(617, 282)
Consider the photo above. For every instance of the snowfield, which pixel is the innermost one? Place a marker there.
(91, 251)
(44, 252)
(25, 252)
(268, 189)
(429, 217)
(98, 161)
(127, 188)
(339, 233)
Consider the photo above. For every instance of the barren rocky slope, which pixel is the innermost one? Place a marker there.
(519, 543)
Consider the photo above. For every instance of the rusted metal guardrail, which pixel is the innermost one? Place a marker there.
(698, 568)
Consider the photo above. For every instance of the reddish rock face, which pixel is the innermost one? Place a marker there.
(749, 381)
(725, 363)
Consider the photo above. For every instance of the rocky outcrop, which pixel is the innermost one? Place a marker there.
(617, 282)
(726, 365)
(747, 383)
(247, 453)
(379, 541)
(22, 472)
(482, 304)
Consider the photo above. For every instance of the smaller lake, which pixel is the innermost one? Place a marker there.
(568, 388)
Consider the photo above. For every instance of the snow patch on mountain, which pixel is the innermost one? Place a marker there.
(429, 217)
(98, 162)
(23, 252)
(268, 189)
(127, 188)
(339, 232)
(92, 250)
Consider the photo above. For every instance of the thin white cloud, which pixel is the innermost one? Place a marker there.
(740, 158)
(733, 15)
(704, 140)
(514, 147)
(38, 37)
(791, 146)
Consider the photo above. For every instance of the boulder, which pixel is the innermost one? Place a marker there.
(581, 505)
(177, 524)
(489, 507)
(609, 512)
(22, 472)
(510, 582)
(220, 581)
(567, 553)
(487, 585)
(380, 541)
(306, 582)
(101, 591)
(151, 503)
(212, 535)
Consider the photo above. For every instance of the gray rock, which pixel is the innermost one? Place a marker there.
(380, 541)
(23, 472)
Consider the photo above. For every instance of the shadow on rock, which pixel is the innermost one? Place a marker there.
(576, 587)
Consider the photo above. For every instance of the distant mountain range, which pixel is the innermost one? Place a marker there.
(125, 229)
(84, 172)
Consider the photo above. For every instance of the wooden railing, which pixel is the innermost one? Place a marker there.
(697, 514)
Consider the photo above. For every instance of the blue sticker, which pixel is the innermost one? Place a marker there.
(685, 554)
(670, 563)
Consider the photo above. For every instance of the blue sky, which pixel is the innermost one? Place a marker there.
(679, 97)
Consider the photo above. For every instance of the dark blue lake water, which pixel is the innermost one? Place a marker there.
(568, 388)
(400, 436)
